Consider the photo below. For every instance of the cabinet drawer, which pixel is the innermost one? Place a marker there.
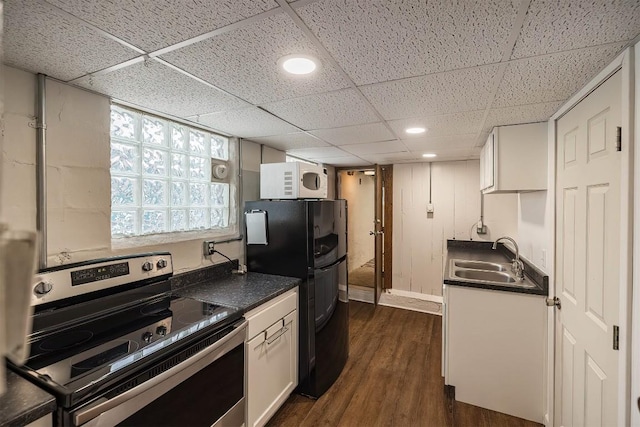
(269, 313)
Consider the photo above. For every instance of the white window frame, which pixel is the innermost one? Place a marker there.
(229, 232)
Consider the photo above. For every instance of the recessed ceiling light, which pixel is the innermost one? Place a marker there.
(415, 130)
(370, 173)
(298, 64)
(428, 155)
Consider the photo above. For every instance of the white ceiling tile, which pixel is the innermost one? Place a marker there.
(247, 123)
(520, 114)
(370, 132)
(320, 152)
(245, 62)
(291, 141)
(446, 154)
(553, 77)
(450, 92)
(333, 109)
(37, 39)
(425, 144)
(154, 24)
(368, 148)
(379, 40)
(182, 96)
(553, 26)
(389, 158)
(442, 125)
(344, 161)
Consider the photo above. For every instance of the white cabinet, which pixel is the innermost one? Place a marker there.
(514, 159)
(272, 356)
(494, 349)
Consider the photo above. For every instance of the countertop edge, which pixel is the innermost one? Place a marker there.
(46, 405)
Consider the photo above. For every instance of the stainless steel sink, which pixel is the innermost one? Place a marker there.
(485, 276)
(479, 265)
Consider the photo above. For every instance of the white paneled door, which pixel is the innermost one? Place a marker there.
(588, 171)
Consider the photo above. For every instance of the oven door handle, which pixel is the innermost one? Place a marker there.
(162, 382)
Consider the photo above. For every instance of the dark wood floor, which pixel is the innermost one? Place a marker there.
(392, 378)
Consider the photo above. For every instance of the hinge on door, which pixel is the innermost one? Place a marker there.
(618, 138)
(616, 337)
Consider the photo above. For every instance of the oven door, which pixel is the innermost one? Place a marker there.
(207, 389)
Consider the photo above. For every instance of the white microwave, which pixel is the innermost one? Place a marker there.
(292, 180)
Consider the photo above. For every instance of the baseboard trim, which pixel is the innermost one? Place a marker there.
(417, 295)
(361, 293)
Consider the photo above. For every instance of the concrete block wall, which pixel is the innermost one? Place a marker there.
(78, 159)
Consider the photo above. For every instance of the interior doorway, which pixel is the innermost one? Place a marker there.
(367, 191)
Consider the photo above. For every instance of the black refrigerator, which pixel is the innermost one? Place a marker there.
(307, 239)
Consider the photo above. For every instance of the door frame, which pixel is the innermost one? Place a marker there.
(623, 63)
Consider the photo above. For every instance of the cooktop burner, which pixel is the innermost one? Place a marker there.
(78, 356)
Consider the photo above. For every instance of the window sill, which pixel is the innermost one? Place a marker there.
(118, 243)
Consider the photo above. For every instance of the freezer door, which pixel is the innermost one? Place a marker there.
(329, 231)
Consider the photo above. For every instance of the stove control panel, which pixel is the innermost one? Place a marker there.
(66, 281)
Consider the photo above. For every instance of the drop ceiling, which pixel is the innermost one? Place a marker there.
(456, 68)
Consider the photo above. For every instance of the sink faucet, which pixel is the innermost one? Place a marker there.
(517, 266)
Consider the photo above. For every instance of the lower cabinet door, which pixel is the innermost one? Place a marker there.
(272, 369)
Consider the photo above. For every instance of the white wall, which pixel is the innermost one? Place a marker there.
(534, 219)
(271, 155)
(78, 162)
(419, 239)
(359, 191)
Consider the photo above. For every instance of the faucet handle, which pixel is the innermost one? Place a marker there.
(517, 267)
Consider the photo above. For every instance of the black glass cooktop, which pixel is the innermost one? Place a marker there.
(70, 358)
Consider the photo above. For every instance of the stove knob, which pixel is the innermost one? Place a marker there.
(162, 263)
(147, 266)
(146, 337)
(161, 330)
(42, 288)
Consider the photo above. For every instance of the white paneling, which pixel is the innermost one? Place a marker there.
(553, 77)
(450, 92)
(41, 41)
(370, 132)
(245, 62)
(533, 224)
(443, 125)
(153, 24)
(596, 257)
(593, 393)
(246, 123)
(419, 239)
(375, 148)
(140, 83)
(332, 109)
(291, 141)
(567, 285)
(552, 26)
(568, 376)
(410, 38)
(597, 135)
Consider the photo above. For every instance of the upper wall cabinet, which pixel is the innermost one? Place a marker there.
(514, 159)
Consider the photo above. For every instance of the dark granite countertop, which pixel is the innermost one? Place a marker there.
(241, 291)
(23, 402)
(536, 282)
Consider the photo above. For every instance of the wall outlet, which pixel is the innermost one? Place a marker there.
(430, 208)
(209, 247)
(481, 229)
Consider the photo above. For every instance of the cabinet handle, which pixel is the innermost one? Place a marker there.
(277, 335)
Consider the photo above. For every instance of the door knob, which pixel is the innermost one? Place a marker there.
(555, 301)
(373, 233)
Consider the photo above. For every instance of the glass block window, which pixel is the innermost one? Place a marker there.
(161, 176)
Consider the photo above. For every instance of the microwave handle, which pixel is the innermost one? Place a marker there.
(206, 357)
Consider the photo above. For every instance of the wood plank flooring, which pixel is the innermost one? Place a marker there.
(392, 378)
